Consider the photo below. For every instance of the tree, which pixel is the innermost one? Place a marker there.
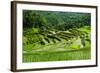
(32, 19)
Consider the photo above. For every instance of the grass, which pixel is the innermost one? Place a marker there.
(57, 56)
(59, 51)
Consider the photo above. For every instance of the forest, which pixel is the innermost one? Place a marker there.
(56, 36)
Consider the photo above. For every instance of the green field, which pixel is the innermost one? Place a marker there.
(58, 51)
(56, 36)
(56, 56)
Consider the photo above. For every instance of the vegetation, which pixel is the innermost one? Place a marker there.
(55, 36)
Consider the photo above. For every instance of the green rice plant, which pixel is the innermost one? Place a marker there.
(72, 44)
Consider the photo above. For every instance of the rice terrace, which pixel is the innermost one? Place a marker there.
(56, 36)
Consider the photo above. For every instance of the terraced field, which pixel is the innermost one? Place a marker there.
(52, 45)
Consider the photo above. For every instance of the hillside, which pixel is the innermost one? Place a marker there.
(63, 34)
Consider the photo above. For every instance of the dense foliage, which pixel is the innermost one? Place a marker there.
(55, 20)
